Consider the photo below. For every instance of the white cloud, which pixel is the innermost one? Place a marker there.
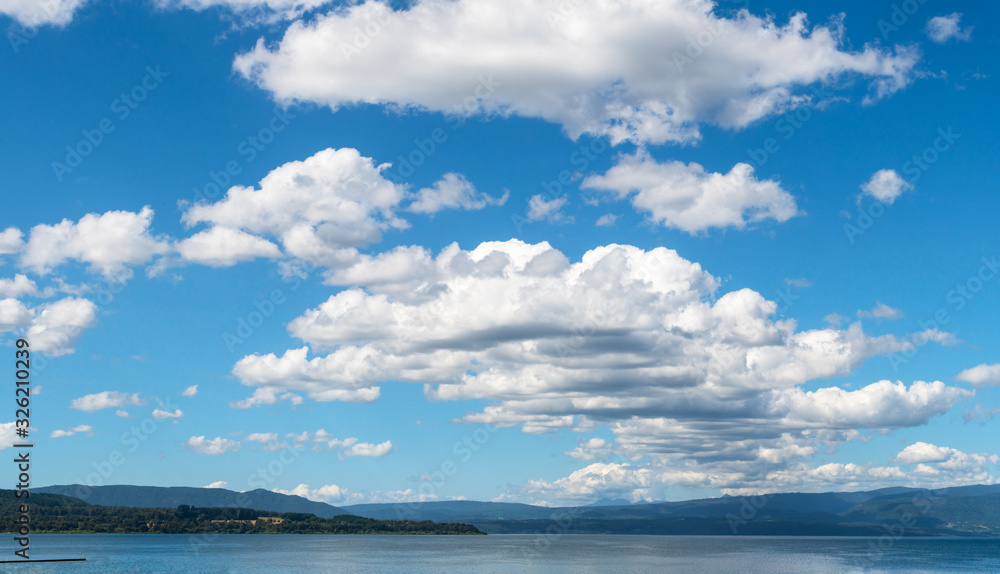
(540, 209)
(706, 383)
(801, 477)
(597, 480)
(981, 375)
(686, 197)
(72, 431)
(728, 457)
(330, 493)
(18, 286)
(105, 400)
(367, 449)
(934, 336)
(556, 345)
(949, 465)
(517, 51)
(349, 447)
(886, 186)
(633, 306)
(924, 452)
(879, 405)
(122, 413)
(108, 243)
(57, 326)
(940, 29)
(590, 449)
(266, 396)
(645, 482)
(316, 208)
(10, 241)
(340, 376)
(267, 441)
(333, 494)
(751, 438)
(980, 412)
(215, 446)
(881, 311)
(8, 435)
(162, 414)
(32, 13)
(262, 437)
(222, 247)
(800, 283)
(217, 484)
(835, 319)
(452, 191)
(400, 269)
(13, 314)
(267, 11)
(501, 417)
(190, 391)
(322, 440)
(606, 220)
(244, 4)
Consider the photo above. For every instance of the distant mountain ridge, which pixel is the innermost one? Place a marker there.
(958, 511)
(611, 502)
(174, 496)
(829, 502)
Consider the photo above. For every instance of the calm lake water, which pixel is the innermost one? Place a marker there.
(579, 554)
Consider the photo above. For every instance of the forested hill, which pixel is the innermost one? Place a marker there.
(64, 514)
(174, 496)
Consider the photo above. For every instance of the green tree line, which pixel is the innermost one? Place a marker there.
(50, 513)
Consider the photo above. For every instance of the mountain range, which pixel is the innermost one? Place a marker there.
(959, 511)
(174, 496)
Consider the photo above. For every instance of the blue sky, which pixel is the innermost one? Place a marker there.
(769, 264)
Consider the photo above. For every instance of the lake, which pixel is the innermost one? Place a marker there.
(516, 553)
